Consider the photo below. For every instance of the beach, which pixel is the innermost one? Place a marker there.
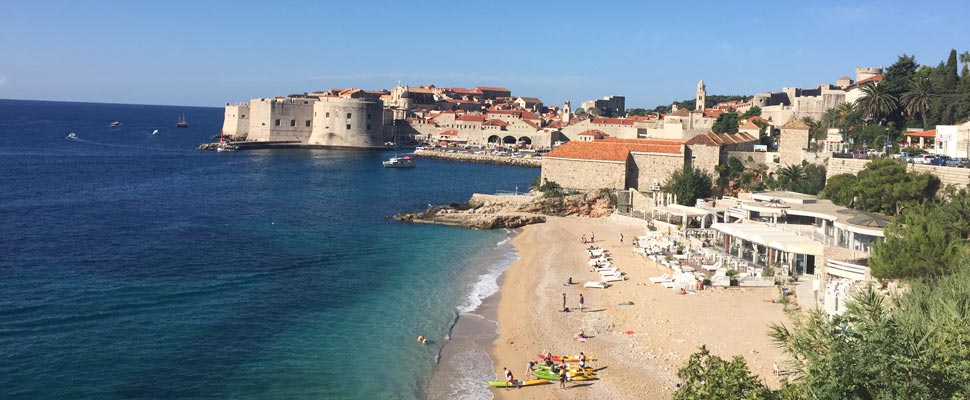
(638, 347)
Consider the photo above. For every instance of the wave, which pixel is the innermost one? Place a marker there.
(486, 284)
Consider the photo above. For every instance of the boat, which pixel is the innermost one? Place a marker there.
(226, 147)
(530, 382)
(155, 132)
(71, 136)
(399, 162)
(182, 122)
(115, 124)
(552, 376)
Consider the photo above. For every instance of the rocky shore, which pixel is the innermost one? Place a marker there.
(480, 158)
(484, 211)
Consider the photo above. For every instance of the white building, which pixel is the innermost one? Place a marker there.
(953, 140)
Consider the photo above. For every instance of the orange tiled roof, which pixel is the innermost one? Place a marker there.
(532, 124)
(464, 91)
(795, 123)
(608, 150)
(529, 100)
(680, 113)
(929, 133)
(491, 89)
(471, 118)
(496, 122)
(450, 132)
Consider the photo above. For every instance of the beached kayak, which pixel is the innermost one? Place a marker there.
(530, 382)
(566, 358)
(571, 368)
(545, 374)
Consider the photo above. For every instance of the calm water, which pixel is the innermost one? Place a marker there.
(134, 266)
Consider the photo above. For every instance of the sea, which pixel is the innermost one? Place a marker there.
(133, 266)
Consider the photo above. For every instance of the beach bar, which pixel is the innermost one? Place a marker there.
(766, 246)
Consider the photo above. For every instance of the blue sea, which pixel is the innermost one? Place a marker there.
(133, 266)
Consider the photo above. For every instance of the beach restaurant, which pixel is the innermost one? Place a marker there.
(765, 245)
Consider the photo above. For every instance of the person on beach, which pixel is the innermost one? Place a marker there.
(549, 360)
(562, 376)
(592, 237)
(564, 309)
(509, 379)
(621, 238)
(581, 302)
(582, 361)
(583, 239)
(581, 335)
(530, 369)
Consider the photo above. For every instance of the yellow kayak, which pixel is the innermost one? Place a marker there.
(530, 382)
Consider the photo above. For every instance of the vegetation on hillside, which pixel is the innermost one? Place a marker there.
(883, 186)
(689, 184)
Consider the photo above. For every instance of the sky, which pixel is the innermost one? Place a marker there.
(207, 53)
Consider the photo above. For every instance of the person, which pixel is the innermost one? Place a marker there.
(580, 335)
(582, 361)
(422, 340)
(509, 379)
(562, 376)
(564, 309)
(530, 369)
(677, 388)
(583, 239)
(581, 302)
(621, 238)
(592, 237)
(682, 291)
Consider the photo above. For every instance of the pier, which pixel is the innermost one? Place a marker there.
(531, 162)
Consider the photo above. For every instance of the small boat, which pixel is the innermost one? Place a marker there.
(155, 132)
(182, 122)
(226, 147)
(115, 124)
(399, 162)
(71, 136)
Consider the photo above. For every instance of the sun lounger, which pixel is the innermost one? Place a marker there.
(614, 278)
(661, 278)
(667, 284)
(597, 285)
(608, 271)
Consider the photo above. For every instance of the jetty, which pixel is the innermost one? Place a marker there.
(461, 156)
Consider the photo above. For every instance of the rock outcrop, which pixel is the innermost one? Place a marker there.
(484, 211)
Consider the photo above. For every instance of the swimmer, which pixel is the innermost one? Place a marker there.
(422, 340)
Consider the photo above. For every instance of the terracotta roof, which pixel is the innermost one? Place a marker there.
(608, 150)
(929, 133)
(594, 133)
(713, 112)
(471, 118)
(750, 125)
(464, 91)
(612, 121)
(795, 123)
(706, 139)
(876, 78)
(420, 90)
(529, 115)
(530, 100)
(680, 113)
(450, 132)
(495, 122)
(491, 89)
(532, 124)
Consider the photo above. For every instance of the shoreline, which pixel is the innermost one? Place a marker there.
(666, 327)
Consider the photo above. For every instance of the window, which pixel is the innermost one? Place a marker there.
(348, 115)
(308, 123)
(348, 126)
(368, 126)
(368, 115)
(277, 122)
(328, 115)
(292, 122)
(243, 116)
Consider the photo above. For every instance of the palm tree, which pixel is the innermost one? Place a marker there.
(876, 103)
(831, 117)
(917, 99)
(790, 175)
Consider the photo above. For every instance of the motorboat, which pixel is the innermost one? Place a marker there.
(226, 147)
(182, 123)
(155, 132)
(115, 124)
(399, 162)
(71, 136)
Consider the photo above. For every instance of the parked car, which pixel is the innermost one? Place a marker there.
(905, 156)
(924, 159)
(959, 162)
(939, 160)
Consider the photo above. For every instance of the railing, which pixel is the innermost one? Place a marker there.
(846, 269)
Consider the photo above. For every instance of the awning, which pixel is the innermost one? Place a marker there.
(772, 237)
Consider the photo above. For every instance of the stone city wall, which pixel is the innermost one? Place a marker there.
(958, 177)
(585, 174)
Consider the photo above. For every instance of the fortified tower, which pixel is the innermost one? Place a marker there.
(701, 96)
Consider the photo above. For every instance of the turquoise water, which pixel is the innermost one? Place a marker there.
(137, 267)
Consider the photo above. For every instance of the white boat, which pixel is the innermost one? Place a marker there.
(115, 124)
(226, 147)
(71, 136)
(155, 132)
(399, 162)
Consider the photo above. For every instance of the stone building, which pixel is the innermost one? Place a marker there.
(610, 106)
(613, 164)
(793, 142)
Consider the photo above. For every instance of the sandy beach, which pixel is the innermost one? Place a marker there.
(666, 327)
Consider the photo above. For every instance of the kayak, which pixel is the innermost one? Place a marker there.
(573, 369)
(530, 382)
(544, 374)
(566, 358)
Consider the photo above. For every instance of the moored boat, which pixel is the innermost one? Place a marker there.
(71, 136)
(115, 124)
(182, 123)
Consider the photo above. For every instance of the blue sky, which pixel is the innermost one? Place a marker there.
(209, 52)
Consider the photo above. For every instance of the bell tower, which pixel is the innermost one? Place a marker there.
(701, 96)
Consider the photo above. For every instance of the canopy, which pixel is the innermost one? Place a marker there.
(773, 237)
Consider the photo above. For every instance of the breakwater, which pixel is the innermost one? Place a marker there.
(480, 158)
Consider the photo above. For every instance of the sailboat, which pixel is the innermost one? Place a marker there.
(182, 122)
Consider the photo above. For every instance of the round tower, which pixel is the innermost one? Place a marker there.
(701, 96)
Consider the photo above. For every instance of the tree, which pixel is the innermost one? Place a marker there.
(916, 100)
(726, 123)
(876, 103)
(908, 346)
(805, 178)
(689, 184)
(951, 78)
(840, 189)
(580, 112)
(595, 111)
(752, 112)
(965, 60)
(708, 376)
(727, 173)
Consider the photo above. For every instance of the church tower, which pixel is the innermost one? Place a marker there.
(701, 96)
(566, 112)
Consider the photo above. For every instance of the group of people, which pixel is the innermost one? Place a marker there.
(561, 370)
(591, 239)
(582, 302)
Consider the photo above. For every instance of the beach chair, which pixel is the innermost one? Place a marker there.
(661, 278)
(597, 285)
(608, 271)
(614, 278)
